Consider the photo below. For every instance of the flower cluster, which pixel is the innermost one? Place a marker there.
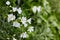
(26, 22)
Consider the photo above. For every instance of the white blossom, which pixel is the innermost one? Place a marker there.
(29, 21)
(8, 2)
(24, 35)
(38, 9)
(14, 9)
(23, 20)
(14, 39)
(25, 25)
(11, 17)
(34, 9)
(16, 24)
(19, 10)
(30, 29)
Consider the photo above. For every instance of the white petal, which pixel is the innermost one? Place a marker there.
(29, 21)
(25, 25)
(11, 17)
(16, 24)
(24, 35)
(23, 20)
(14, 9)
(34, 9)
(30, 29)
(19, 10)
(39, 9)
(8, 2)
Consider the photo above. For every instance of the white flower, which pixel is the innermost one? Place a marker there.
(34, 9)
(8, 2)
(25, 25)
(38, 9)
(16, 24)
(30, 29)
(19, 10)
(14, 39)
(23, 20)
(29, 21)
(24, 35)
(14, 9)
(11, 17)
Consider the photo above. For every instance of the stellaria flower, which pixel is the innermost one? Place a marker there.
(25, 25)
(34, 9)
(16, 24)
(29, 21)
(19, 10)
(23, 20)
(14, 9)
(38, 9)
(11, 17)
(30, 29)
(24, 35)
(8, 3)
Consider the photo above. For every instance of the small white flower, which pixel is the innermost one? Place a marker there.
(14, 9)
(30, 29)
(38, 9)
(24, 35)
(16, 24)
(23, 20)
(11, 17)
(25, 25)
(14, 39)
(8, 2)
(19, 10)
(29, 21)
(34, 9)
